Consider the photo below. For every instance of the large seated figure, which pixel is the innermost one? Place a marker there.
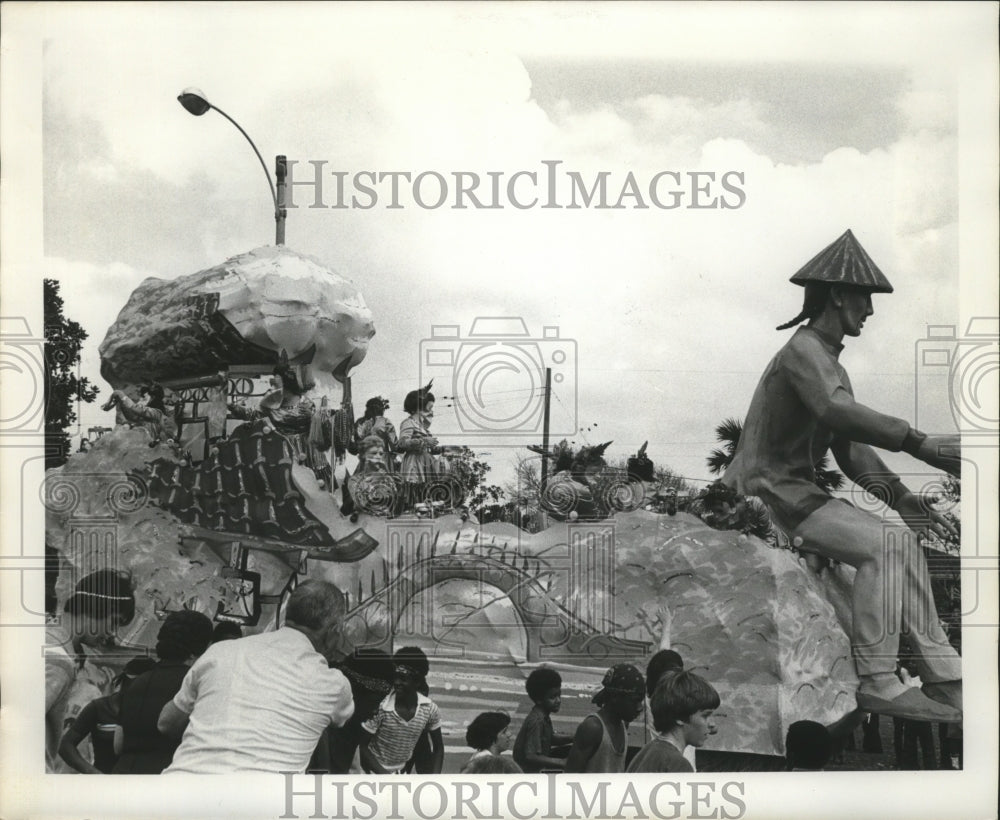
(804, 405)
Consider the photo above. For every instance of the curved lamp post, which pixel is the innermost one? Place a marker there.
(194, 101)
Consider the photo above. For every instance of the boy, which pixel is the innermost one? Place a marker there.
(391, 734)
(682, 707)
(601, 740)
(533, 748)
(808, 746)
(663, 662)
(98, 720)
(489, 735)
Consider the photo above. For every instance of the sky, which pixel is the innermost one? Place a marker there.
(672, 311)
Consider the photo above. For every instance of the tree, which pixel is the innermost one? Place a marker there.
(728, 434)
(469, 472)
(63, 341)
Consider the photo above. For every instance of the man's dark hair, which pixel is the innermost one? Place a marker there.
(808, 745)
(666, 660)
(414, 658)
(183, 634)
(541, 681)
(812, 303)
(315, 605)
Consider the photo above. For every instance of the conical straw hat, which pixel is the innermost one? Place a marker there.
(844, 263)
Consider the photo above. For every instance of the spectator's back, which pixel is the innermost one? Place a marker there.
(259, 704)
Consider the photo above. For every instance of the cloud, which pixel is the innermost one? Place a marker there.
(673, 311)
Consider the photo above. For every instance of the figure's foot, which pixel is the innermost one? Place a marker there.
(885, 695)
(946, 692)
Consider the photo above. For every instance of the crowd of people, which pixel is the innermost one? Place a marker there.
(291, 699)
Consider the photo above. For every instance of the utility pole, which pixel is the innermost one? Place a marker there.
(545, 426)
(280, 171)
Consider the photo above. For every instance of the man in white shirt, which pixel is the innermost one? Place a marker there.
(260, 704)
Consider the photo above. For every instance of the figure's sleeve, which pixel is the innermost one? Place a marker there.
(434, 719)
(86, 721)
(344, 706)
(374, 722)
(410, 439)
(390, 435)
(813, 374)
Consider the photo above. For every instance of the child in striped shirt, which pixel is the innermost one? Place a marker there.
(391, 734)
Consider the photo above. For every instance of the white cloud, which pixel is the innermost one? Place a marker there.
(682, 293)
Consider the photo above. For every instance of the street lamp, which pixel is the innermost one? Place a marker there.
(194, 101)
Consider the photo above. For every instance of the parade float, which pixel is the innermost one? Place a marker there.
(218, 490)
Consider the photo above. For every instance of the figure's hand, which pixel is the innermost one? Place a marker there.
(942, 452)
(430, 442)
(918, 514)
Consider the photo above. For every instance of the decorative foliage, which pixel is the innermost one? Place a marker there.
(64, 339)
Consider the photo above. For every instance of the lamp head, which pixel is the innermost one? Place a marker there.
(193, 100)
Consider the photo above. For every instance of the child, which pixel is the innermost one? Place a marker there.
(97, 720)
(808, 746)
(664, 661)
(682, 706)
(391, 734)
(419, 467)
(533, 748)
(489, 735)
(101, 602)
(601, 740)
(142, 748)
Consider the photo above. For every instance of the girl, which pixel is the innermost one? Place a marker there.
(417, 445)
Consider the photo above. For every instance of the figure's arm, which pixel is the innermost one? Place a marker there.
(174, 715)
(862, 465)
(84, 724)
(59, 674)
(814, 375)
(437, 751)
(585, 742)
(172, 721)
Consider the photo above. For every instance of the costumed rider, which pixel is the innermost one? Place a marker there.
(419, 466)
(374, 423)
(804, 405)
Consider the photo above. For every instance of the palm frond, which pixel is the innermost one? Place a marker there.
(718, 461)
(729, 432)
